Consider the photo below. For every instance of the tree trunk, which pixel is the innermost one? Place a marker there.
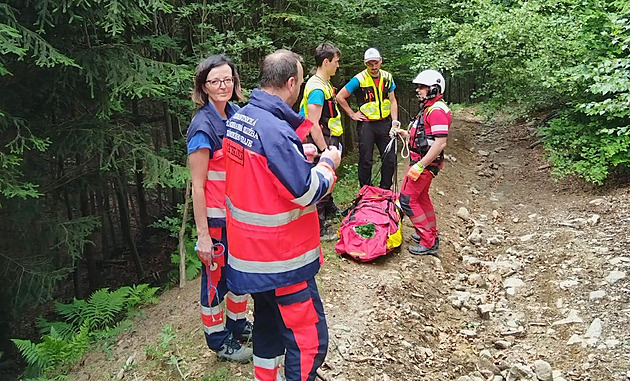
(125, 225)
(94, 275)
(76, 276)
(142, 199)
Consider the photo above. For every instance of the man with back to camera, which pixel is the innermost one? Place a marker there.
(378, 113)
(271, 191)
(319, 105)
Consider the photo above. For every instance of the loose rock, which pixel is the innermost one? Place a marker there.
(463, 213)
(484, 310)
(596, 295)
(571, 318)
(502, 344)
(594, 330)
(614, 276)
(543, 370)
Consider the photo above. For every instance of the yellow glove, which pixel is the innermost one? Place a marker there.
(415, 171)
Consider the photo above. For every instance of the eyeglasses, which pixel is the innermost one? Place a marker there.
(216, 83)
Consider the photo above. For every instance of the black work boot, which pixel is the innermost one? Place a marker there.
(231, 350)
(246, 335)
(421, 250)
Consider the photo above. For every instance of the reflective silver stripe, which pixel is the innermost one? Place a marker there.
(211, 310)
(267, 220)
(214, 329)
(326, 172)
(307, 197)
(275, 266)
(271, 363)
(439, 128)
(233, 316)
(215, 212)
(236, 298)
(216, 175)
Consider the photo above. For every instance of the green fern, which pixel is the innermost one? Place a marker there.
(141, 294)
(30, 353)
(97, 319)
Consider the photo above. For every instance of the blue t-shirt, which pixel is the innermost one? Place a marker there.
(199, 140)
(316, 97)
(353, 85)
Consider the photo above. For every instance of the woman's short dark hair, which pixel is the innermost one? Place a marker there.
(278, 67)
(198, 95)
(325, 50)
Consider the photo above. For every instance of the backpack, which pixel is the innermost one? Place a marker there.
(372, 227)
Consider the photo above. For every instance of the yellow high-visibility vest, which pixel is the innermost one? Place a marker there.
(374, 100)
(330, 120)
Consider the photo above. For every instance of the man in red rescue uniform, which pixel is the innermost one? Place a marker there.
(272, 224)
(427, 140)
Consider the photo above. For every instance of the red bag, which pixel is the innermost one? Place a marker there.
(372, 227)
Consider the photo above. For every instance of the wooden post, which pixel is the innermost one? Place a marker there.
(182, 234)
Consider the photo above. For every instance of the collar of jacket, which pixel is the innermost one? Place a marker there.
(215, 120)
(431, 102)
(276, 106)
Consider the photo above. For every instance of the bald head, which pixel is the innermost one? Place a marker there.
(278, 67)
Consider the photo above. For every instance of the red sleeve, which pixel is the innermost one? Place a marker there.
(439, 122)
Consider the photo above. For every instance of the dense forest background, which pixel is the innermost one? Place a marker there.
(94, 105)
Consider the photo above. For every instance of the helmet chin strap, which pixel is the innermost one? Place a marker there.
(432, 92)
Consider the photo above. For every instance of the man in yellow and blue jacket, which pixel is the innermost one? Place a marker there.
(319, 105)
(378, 113)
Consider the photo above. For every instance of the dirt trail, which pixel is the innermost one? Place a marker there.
(531, 252)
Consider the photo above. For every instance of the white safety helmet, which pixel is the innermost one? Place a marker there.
(371, 55)
(433, 79)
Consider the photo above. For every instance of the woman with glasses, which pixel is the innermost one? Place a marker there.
(216, 85)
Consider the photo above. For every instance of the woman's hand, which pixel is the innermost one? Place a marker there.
(205, 248)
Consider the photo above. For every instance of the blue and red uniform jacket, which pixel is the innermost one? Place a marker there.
(209, 122)
(271, 191)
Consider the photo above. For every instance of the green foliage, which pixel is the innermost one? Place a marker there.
(85, 321)
(173, 224)
(347, 184)
(221, 374)
(531, 56)
(54, 352)
(163, 347)
(583, 148)
(193, 263)
(366, 230)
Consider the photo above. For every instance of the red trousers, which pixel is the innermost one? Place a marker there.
(416, 203)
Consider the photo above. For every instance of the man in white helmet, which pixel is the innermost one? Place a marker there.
(377, 114)
(427, 139)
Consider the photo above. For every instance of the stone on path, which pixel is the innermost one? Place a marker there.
(484, 310)
(594, 330)
(614, 276)
(502, 344)
(527, 237)
(463, 213)
(520, 372)
(571, 318)
(543, 370)
(596, 295)
(513, 283)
